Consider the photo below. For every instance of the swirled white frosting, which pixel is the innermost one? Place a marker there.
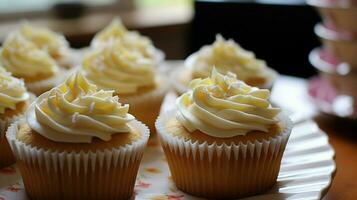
(53, 43)
(227, 55)
(115, 67)
(222, 106)
(12, 91)
(132, 40)
(24, 59)
(76, 111)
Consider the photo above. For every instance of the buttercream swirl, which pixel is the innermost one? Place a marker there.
(222, 106)
(12, 91)
(115, 67)
(76, 112)
(53, 43)
(23, 59)
(226, 55)
(132, 40)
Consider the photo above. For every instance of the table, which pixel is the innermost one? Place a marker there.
(344, 140)
(290, 93)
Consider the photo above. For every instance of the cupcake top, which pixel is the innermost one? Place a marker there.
(132, 40)
(226, 55)
(76, 111)
(23, 59)
(12, 91)
(117, 68)
(53, 43)
(222, 106)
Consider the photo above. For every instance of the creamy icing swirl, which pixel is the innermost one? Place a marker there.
(23, 59)
(76, 111)
(45, 39)
(226, 55)
(12, 91)
(222, 106)
(132, 40)
(115, 67)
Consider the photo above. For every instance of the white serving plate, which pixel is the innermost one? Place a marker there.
(306, 172)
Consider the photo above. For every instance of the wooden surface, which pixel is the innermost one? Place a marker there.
(343, 137)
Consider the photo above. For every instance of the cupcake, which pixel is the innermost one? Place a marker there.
(132, 40)
(53, 43)
(78, 142)
(225, 55)
(14, 100)
(132, 76)
(224, 140)
(25, 60)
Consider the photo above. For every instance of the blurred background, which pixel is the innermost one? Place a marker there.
(278, 31)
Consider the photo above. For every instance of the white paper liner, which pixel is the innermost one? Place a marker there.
(42, 86)
(178, 86)
(71, 59)
(81, 165)
(270, 73)
(4, 124)
(6, 157)
(187, 147)
(157, 94)
(108, 157)
(204, 169)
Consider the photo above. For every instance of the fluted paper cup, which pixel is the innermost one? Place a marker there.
(146, 106)
(101, 174)
(223, 171)
(42, 86)
(6, 156)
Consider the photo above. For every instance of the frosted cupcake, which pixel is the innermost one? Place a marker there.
(133, 77)
(25, 60)
(78, 142)
(132, 40)
(14, 100)
(224, 140)
(225, 55)
(53, 43)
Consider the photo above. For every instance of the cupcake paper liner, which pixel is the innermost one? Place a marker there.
(226, 170)
(103, 174)
(146, 106)
(42, 86)
(179, 87)
(6, 156)
(158, 93)
(72, 59)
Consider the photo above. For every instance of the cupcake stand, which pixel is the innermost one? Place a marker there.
(306, 172)
(334, 90)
